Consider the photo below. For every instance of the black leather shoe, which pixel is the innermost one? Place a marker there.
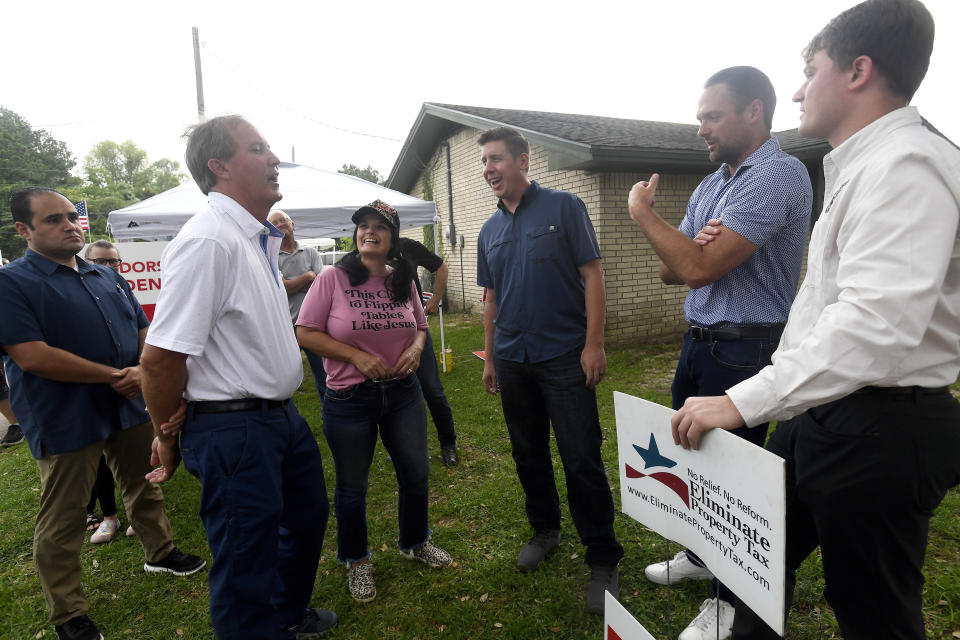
(79, 628)
(448, 454)
(315, 623)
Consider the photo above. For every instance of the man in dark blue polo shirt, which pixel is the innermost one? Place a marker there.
(70, 336)
(543, 321)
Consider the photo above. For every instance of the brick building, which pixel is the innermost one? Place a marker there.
(597, 158)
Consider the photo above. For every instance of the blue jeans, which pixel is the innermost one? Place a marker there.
(352, 418)
(319, 373)
(429, 376)
(264, 505)
(533, 396)
(709, 369)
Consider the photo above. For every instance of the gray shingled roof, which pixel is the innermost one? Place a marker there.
(575, 141)
(594, 130)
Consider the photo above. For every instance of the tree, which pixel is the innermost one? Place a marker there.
(119, 175)
(165, 174)
(28, 157)
(369, 174)
(123, 171)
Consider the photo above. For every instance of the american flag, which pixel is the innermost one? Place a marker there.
(82, 214)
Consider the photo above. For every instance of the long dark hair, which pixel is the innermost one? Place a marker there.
(397, 281)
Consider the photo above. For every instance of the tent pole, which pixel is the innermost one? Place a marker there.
(443, 356)
(443, 346)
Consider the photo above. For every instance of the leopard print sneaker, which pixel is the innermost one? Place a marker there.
(429, 554)
(360, 582)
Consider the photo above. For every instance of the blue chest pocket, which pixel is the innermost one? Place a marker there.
(121, 302)
(544, 243)
(498, 254)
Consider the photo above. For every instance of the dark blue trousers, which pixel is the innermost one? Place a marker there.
(710, 368)
(104, 490)
(264, 505)
(429, 376)
(316, 368)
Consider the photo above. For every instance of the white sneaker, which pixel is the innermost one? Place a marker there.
(704, 626)
(680, 569)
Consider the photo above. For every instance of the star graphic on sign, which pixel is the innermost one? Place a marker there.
(651, 455)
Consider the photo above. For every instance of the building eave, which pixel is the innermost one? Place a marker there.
(423, 140)
(436, 123)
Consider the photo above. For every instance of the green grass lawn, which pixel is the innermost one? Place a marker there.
(476, 514)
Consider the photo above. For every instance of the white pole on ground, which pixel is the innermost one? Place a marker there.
(443, 349)
(443, 346)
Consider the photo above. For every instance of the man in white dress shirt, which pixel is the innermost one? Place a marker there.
(873, 338)
(221, 342)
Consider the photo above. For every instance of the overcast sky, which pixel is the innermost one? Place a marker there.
(304, 72)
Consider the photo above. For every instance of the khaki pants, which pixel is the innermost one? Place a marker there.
(66, 481)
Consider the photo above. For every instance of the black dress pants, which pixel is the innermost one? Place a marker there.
(863, 476)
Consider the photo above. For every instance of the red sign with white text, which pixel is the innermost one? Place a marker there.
(141, 269)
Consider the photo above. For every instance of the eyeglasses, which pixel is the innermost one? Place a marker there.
(112, 262)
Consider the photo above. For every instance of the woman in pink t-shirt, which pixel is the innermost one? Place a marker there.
(364, 317)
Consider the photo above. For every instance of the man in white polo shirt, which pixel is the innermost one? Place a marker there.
(221, 342)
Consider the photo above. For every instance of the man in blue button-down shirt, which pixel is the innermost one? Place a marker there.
(741, 290)
(70, 336)
(539, 260)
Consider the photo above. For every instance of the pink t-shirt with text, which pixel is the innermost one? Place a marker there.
(363, 317)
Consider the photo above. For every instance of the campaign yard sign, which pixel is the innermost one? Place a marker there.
(141, 269)
(619, 624)
(724, 501)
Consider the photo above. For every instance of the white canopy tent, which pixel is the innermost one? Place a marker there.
(319, 202)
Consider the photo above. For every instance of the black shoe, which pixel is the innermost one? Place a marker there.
(13, 436)
(79, 628)
(315, 623)
(602, 579)
(533, 553)
(448, 455)
(177, 562)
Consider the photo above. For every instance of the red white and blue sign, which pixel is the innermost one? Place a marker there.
(618, 624)
(724, 501)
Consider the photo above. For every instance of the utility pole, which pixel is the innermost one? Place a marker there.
(201, 114)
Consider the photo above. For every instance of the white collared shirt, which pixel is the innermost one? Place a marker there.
(880, 303)
(223, 304)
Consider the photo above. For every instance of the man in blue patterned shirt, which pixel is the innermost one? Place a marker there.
(740, 291)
